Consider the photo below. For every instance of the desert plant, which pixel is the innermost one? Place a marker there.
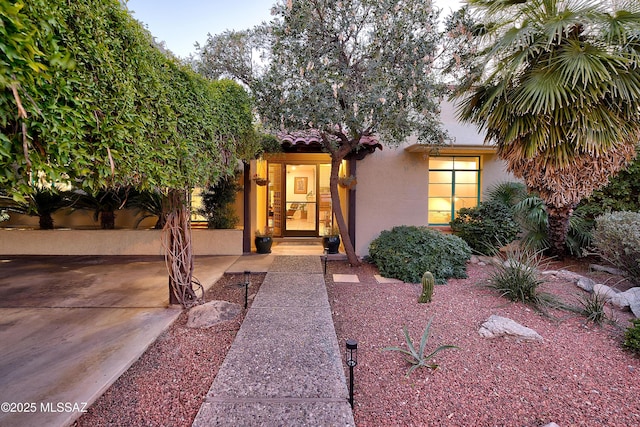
(486, 226)
(632, 337)
(516, 276)
(148, 204)
(406, 252)
(593, 307)
(415, 356)
(427, 287)
(616, 238)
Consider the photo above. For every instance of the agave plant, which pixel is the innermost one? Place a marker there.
(416, 356)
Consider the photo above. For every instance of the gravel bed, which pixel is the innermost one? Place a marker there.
(168, 384)
(578, 376)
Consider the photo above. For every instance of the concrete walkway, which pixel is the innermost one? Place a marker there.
(285, 365)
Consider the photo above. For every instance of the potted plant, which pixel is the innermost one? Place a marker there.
(263, 241)
(331, 240)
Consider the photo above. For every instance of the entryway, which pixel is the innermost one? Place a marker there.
(298, 198)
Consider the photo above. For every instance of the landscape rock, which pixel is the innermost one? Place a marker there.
(564, 274)
(551, 425)
(627, 298)
(606, 269)
(635, 309)
(497, 326)
(604, 291)
(585, 283)
(208, 314)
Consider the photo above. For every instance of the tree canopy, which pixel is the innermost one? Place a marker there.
(87, 97)
(347, 69)
(556, 86)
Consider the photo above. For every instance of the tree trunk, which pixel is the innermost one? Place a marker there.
(107, 220)
(45, 221)
(558, 229)
(178, 253)
(337, 210)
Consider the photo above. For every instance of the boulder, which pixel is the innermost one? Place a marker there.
(635, 309)
(606, 269)
(208, 314)
(604, 291)
(497, 326)
(627, 298)
(585, 283)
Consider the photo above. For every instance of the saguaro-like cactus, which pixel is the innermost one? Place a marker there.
(427, 287)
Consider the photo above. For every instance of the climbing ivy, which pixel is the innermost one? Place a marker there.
(87, 97)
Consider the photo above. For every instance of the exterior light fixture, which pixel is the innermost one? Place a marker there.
(352, 360)
(247, 278)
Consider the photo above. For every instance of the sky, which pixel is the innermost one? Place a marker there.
(182, 23)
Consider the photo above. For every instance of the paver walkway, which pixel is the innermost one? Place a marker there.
(285, 366)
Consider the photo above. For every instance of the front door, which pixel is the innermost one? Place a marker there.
(298, 196)
(300, 216)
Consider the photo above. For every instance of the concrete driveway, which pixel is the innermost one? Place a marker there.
(70, 326)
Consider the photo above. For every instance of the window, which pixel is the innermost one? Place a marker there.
(453, 184)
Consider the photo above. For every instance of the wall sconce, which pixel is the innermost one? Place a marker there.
(352, 360)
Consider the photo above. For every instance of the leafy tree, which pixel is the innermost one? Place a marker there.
(347, 69)
(86, 96)
(556, 86)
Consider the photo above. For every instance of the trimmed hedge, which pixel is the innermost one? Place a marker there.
(406, 252)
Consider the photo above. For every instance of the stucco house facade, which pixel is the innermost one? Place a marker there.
(407, 185)
(288, 193)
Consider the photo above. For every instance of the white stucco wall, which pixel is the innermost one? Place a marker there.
(393, 183)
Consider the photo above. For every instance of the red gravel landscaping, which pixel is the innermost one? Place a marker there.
(578, 376)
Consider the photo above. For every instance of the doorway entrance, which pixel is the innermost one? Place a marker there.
(298, 199)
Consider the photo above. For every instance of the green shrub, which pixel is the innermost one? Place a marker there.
(406, 252)
(632, 337)
(486, 227)
(593, 307)
(616, 238)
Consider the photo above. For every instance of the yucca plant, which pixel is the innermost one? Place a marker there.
(416, 356)
(593, 307)
(516, 277)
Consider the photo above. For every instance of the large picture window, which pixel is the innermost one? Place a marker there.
(453, 184)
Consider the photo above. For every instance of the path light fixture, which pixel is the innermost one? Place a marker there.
(352, 361)
(247, 278)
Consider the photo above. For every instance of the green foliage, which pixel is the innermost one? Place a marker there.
(486, 227)
(516, 276)
(405, 252)
(593, 307)
(536, 61)
(616, 238)
(218, 203)
(148, 204)
(42, 203)
(530, 212)
(87, 97)
(416, 356)
(632, 337)
(427, 287)
(621, 194)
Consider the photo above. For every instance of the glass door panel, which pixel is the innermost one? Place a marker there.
(300, 205)
(274, 202)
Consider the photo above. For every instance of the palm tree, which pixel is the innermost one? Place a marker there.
(556, 86)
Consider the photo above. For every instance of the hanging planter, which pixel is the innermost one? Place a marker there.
(261, 182)
(348, 182)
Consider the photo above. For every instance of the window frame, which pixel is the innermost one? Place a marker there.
(452, 173)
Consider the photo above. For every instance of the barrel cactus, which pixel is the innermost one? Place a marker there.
(427, 287)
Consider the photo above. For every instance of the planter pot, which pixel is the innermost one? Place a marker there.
(263, 244)
(331, 244)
